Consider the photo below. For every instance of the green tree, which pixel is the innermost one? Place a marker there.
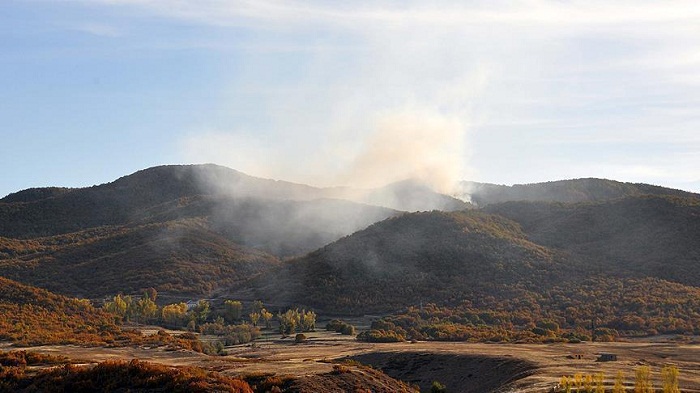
(257, 306)
(200, 312)
(437, 387)
(117, 306)
(232, 310)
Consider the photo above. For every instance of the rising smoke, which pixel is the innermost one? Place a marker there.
(419, 145)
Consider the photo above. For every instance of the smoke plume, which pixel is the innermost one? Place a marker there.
(411, 145)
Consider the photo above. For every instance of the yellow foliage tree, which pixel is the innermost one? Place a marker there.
(669, 376)
(254, 318)
(564, 384)
(599, 385)
(619, 386)
(588, 383)
(578, 381)
(266, 316)
(642, 380)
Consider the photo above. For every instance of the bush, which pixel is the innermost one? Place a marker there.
(380, 336)
(437, 387)
(341, 327)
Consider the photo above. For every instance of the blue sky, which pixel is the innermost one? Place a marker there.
(357, 93)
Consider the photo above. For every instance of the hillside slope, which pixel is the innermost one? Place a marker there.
(30, 315)
(651, 236)
(417, 257)
(177, 257)
(567, 191)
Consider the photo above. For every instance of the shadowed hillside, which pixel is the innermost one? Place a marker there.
(568, 191)
(180, 229)
(178, 257)
(610, 265)
(643, 237)
(413, 258)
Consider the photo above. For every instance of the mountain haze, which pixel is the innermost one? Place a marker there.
(208, 230)
(567, 191)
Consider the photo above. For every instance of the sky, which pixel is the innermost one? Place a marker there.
(351, 93)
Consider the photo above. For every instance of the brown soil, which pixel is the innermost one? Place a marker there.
(462, 373)
(514, 367)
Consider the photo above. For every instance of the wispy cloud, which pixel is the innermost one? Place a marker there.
(531, 72)
(98, 29)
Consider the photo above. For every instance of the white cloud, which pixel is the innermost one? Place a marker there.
(525, 73)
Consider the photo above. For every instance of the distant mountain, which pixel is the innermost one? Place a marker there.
(131, 198)
(568, 191)
(279, 217)
(201, 229)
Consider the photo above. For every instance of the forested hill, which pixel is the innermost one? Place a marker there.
(278, 217)
(568, 191)
(177, 257)
(442, 257)
(30, 315)
(431, 256)
(51, 211)
(649, 236)
(185, 230)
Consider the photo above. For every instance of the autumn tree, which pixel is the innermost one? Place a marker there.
(174, 314)
(669, 377)
(266, 316)
(588, 383)
(565, 384)
(642, 380)
(254, 318)
(578, 381)
(599, 383)
(151, 293)
(146, 309)
(308, 321)
(117, 306)
(619, 386)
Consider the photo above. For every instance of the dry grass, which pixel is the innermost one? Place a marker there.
(284, 358)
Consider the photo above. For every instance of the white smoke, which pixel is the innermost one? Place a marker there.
(411, 144)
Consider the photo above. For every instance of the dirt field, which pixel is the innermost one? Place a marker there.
(462, 367)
